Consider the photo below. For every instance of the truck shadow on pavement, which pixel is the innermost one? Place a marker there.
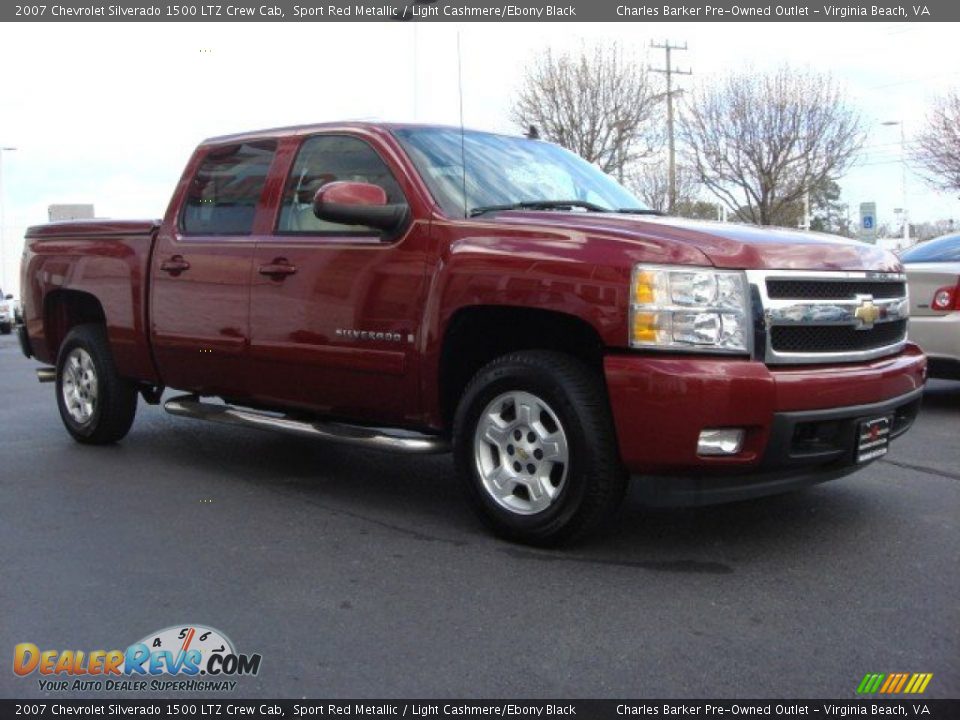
(942, 395)
(418, 498)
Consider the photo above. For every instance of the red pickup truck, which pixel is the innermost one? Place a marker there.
(419, 288)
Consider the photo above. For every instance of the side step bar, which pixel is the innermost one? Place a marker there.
(376, 438)
(46, 374)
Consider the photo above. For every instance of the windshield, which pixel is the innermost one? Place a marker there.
(504, 170)
(941, 249)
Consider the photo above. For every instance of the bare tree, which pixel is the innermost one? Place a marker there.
(651, 183)
(937, 147)
(759, 142)
(598, 102)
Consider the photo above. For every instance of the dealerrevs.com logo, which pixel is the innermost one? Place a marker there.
(200, 658)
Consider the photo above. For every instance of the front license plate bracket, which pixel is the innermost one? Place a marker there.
(873, 438)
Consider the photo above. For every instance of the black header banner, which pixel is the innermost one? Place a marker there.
(457, 709)
(485, 11)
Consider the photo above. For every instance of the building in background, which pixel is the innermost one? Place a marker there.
(58, 213)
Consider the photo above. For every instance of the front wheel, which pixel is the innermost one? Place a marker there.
(96, 405)
(536, 449)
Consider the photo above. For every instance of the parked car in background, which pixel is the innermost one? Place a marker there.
(8, 310)
(933, 276)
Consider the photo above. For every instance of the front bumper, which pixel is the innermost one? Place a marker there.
(800, 422)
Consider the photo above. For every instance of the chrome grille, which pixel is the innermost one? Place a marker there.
(832, 290)
(811, 317)
(835, 338)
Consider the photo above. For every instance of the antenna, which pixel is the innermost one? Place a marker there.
(463, 148)
(416, 83)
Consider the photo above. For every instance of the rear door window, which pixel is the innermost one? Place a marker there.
(223, 195)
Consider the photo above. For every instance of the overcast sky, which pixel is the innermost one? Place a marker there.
(109, 113)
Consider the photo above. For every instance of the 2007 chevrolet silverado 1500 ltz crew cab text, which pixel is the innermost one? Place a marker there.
(350, 281)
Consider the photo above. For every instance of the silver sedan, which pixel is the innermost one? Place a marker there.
(933, 276)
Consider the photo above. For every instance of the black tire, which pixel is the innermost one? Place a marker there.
(115, 404)
(595, 480)
(5, 329)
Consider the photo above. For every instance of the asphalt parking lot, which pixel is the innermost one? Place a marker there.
(364, 575)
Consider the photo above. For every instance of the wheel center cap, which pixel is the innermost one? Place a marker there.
(522, 453)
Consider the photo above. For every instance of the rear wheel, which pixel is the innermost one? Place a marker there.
(96, 405)
(536, 449)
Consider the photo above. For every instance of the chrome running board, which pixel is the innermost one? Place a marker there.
(392, 439)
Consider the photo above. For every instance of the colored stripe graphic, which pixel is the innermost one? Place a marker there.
(870, 683)
(892, 680)
(894, 683)
(918, 683)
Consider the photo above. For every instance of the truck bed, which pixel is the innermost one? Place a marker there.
(108, 262)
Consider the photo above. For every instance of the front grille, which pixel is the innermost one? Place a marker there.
(828, 316)
(780, 289)
(835, 338)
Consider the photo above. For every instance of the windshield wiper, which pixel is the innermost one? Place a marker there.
(639, 211)
(540, 205)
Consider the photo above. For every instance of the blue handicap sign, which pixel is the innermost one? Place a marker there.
(868, 222)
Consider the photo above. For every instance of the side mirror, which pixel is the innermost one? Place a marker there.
(8, 297)
(357, 203)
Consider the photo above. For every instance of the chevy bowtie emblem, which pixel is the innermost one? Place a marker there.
(867, 313)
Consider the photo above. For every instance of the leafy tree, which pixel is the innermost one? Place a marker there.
(697, 209)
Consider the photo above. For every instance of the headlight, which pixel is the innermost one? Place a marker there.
(690, 308)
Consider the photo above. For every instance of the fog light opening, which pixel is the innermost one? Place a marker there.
(720, 441)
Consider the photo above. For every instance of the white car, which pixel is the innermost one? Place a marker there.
(933, 277)
(8, 309)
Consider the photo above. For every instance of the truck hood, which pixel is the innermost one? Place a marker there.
(725, 245)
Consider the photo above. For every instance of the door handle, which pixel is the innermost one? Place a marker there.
(278, 269)
(175, 265)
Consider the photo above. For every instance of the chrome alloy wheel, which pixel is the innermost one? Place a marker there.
(521, 452)
(79, 386)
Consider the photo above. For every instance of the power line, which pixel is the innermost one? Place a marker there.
(669, 71)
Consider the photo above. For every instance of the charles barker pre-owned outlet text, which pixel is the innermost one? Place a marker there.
(839, 12)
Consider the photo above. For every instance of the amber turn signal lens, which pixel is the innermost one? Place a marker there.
(643, 288)
(646, 326)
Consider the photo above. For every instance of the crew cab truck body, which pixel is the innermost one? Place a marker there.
(351, 281)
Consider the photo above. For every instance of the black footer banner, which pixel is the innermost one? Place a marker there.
(420, 709)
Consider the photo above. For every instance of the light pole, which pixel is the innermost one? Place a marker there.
(3, 218)
(903, 179)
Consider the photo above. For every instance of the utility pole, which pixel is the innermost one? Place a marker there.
(669, 71)
(903, 180)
